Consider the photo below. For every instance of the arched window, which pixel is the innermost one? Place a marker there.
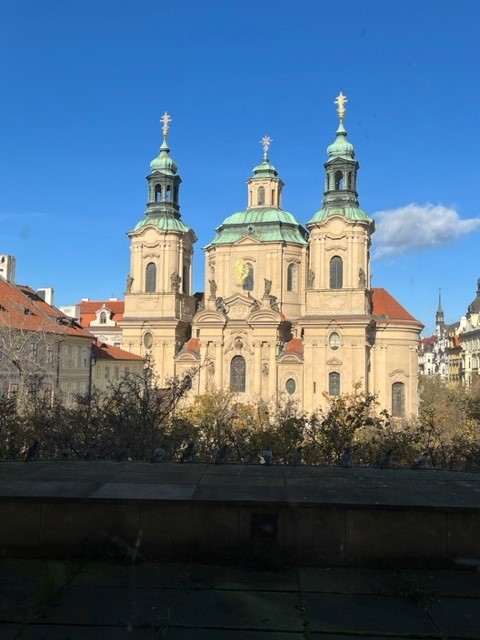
(150, 278)
(336, 273)
(349, 181)
(237, 373)
(334, 383)
(292, 277)
(248, 282)
(168, 194)
(103, 318)
(261, 195)
(158, 193)
(398, 399)
(339, 181)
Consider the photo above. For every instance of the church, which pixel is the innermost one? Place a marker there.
(288, 309)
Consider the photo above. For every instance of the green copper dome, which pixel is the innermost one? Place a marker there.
(341, 148)
(163, 162)
(266, 224)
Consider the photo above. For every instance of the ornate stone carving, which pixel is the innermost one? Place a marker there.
(213, 289)
(268, 288)
(221, 306)
(362, 278)
(310, 278)
(129, 283)
(175, 281)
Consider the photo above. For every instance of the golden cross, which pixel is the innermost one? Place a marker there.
(266, 141)
(340, 101)
(165, 119)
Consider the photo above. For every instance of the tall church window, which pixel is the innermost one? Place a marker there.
(248, 282)
(334, 383)
(150, 278)
(292, 277)
(168, 194)
(398, 399)
(339, 181)
(103, 318)
(158, 193)
(261, 195)
(336, 273)
(237, 373)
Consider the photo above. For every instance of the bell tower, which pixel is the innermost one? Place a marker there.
(340, 235)
(159, 304)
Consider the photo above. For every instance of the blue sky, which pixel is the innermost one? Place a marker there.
(83, 85)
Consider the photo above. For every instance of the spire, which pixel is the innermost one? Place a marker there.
(265, 187)
(340, 195)
(163, 162)
(440, 316)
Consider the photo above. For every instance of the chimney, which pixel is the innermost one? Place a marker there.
(47, 294)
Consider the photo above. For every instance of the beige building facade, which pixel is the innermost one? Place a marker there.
(288, 309)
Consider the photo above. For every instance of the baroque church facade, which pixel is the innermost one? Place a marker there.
(288, 310)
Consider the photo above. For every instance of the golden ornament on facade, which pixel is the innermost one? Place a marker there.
(241, 271)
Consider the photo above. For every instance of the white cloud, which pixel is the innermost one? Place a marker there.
(416, 226)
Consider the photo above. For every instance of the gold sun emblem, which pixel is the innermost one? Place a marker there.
(241, 271)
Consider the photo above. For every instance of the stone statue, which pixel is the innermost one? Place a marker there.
(220, 305)
(255, 306)
(274, 304)
(175, 281)
(362, 278)
(310, 278)
(129, 283)
(265, 368)
(268, 288)
(213, 289)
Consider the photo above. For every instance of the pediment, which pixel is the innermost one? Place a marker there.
(247, 240)
(334, 362)
(239, 306)
(209, 316)
(292, 358)
(265, 315)
(188, 356)
(399, 372)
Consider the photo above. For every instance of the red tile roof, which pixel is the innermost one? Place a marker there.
(89, 308)
(192, 345)
(384, 305)
(294, 346)
(104, 351)
(22, 308)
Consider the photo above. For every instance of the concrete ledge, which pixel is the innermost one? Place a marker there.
(267, 516)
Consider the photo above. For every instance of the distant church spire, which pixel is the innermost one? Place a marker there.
(163, 181)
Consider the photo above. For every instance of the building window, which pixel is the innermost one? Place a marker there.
(398, 399)
(150, 278)
(103, 318)
(107, 373)
(185, 279)
(290, 386)
(237, 374)
(158, 193)
(336, 273)
(334, 341)
(261, 195)
(292, 277)
(339, 181)
(334, 383)
(117, 372)
(148, 340)
(248, 282)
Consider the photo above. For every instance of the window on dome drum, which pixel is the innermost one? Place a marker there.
(261, 195)
(273, 199)
(349, 181)
(398, 399)
(103, 318)
(339, 181)
(168, 194)
(248, 282)
(238, 370)
(150, 278)
(334, 383)
(292, 277)
(158, 193)
(336, 273)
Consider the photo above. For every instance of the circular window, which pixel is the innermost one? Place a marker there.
(291, 386)
(148, 340)
(334, 341)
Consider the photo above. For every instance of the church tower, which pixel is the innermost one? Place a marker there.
(159, 304)
(339, 268)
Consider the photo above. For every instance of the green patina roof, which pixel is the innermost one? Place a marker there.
(163, 162)
(341, 148)
(355, 214)
(164, 223)
(264, 224)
